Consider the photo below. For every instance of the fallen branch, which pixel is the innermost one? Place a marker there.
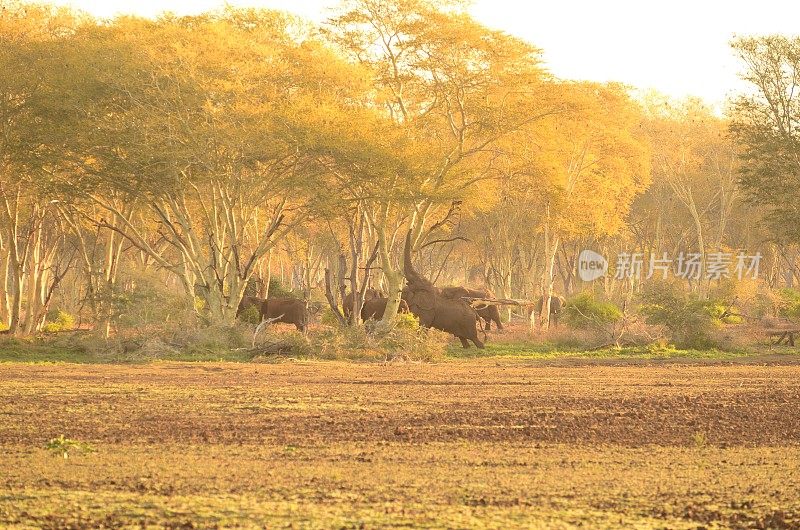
(497, 301)
(265, 322)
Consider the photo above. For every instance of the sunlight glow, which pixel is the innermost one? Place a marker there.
(679, 48)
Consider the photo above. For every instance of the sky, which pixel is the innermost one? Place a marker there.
(676, 47)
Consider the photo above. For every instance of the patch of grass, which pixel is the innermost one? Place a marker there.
(44, 351)
(39, 351)
(63, 446)
(547, 350)
(49, 350)
(526, 350)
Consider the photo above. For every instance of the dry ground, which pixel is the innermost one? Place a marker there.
(450, 445)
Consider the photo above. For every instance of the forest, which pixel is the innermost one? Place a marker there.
(160, 176)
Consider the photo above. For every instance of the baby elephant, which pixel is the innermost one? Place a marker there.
(557, 304)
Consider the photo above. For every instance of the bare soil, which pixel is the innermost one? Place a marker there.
(443, 445)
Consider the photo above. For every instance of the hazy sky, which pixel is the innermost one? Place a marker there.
(679, 47)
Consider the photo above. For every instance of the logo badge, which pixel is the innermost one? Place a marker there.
(591, 265)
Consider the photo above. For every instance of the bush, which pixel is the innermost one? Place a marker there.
(288, 344)
(688, 321)
(251, 315)
(584, 311)
(328, 318)
(151, 303)
(277, 289)
(406, 340)
(58, 320)
(789, 303)
(753, 298)
(210, 340)
(407, 321)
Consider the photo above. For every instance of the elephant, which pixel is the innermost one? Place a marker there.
(247, 302)
(375, 307)
(488, 313)
(287, 310)
(290, 310)
(369, 294)
(434, 310)
(557, 304)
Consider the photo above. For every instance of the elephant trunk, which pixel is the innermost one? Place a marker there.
(412, 276)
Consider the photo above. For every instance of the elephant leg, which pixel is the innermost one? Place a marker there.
(464, 342)
(478, 343)
(499, 324)
(488, 325)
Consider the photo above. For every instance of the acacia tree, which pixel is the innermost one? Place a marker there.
(453, 89)
(209, 139)
(694, 168)
(38, 115)
(766, 126)
(588, 165)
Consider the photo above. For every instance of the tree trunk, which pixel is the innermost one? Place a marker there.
(546, 286)
(394, 281)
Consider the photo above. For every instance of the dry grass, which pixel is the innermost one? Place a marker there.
(453, 445)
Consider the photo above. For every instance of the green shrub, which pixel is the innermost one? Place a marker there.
(584, 311)
(328, 318)
(62, 446)
(407, 321)
(789, 303)
(406, 340)
(277, 289)
(413, 343)
(150, 302)
(688, 320)
(748, 297)
(210, 339)
(3, 326)
(251, 315)
(285, 344)
(58, 320)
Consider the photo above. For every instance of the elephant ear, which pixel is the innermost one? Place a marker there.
(422, 303)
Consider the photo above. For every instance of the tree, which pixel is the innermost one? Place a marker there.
(766, 126)
(38, 102)
(587, 164)
(211, 137)
(694, 169)
(453, 89)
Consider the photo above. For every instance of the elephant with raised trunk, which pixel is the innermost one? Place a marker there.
(434, 310)
(487, 313)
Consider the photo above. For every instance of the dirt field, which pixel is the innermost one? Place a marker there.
(451, 445)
